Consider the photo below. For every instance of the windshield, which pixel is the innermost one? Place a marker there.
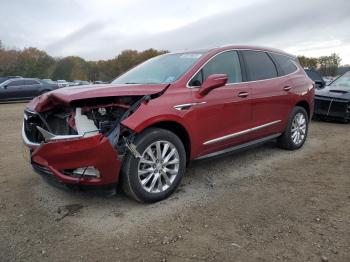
(159, 70)
(343, 81)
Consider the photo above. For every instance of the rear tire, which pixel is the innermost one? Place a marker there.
(158, 173)
(296, 131)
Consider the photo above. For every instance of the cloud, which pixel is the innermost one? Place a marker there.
(101, 29)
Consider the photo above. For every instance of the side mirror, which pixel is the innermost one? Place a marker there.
(5, 86)
(212, 82)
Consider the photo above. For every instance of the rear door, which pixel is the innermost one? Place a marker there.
(224, 114)
(269, 94)
(32, 88)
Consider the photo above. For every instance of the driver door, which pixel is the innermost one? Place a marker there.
(224, 117)
(12, 90)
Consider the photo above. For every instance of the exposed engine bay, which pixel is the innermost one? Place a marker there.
(83, 119)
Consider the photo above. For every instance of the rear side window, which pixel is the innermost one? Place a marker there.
(224, 63)
(16, 83)
(286, 64)
(313, 75)
(259, 65)
(31, 82)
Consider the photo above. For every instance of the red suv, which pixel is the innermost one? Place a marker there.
(144, 128)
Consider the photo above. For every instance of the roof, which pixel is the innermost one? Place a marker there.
(241, 47)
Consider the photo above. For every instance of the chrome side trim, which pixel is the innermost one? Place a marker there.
(26, 140)
(183, 106)
(242, 146)
(240, 133)
(266, 125)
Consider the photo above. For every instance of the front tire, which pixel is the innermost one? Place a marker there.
(158, 173)
(296, 131)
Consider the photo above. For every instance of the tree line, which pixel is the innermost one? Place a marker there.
(32, 62)
(326, 65)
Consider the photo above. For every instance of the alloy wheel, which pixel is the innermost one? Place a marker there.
(158, 166)
(298, 131)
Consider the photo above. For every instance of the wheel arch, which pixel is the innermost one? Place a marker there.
(304, 104)
(179, 130)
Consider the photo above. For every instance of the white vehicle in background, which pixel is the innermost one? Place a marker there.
(62, 83)
(81, 82)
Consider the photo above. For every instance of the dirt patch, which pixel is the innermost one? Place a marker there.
(264, 204)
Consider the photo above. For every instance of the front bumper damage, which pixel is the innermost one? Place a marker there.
(83, 143)
(61, 158)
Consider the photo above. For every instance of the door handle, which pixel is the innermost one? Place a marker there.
(243, 94)
(287, 88)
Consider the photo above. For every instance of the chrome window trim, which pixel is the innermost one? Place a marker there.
(240, 133)
(243, 49)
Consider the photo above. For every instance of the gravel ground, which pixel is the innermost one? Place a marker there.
(265, 204)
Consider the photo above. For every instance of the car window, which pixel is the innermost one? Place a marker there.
(314, 75)
(31, 82)
(259, 65)
(162, 69)
(285, 63)
(342, 81)
(224, 63)
(16, 83)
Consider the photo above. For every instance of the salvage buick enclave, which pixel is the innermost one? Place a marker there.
(143, 128)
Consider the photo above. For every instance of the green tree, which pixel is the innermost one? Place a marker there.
(308, 62)
(328, 65)
(32, 62)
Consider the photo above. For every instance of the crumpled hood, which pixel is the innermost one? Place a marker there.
(64, 96)
(334, 92)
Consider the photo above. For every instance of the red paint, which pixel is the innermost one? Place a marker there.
(93, 151)
(64, 96)
(224, 112)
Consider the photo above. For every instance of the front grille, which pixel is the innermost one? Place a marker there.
(322, 106)
(338, 108)
(31, 121)
(55, 122)
(331, 107)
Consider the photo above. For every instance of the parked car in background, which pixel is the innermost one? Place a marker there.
(4, 78)
(62, 83)
(79, 83)
(48, 80)
(82, 83)
(333, 102)
(316, 77)
(151, 121)
(24, 88)
(99, 82)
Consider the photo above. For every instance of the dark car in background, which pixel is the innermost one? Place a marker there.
(24, 88)
(333, 101)
(316, 77)
(4, 78)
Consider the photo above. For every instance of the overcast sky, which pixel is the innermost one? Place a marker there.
(100, 29)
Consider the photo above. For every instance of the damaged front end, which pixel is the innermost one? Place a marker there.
(83, 143)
